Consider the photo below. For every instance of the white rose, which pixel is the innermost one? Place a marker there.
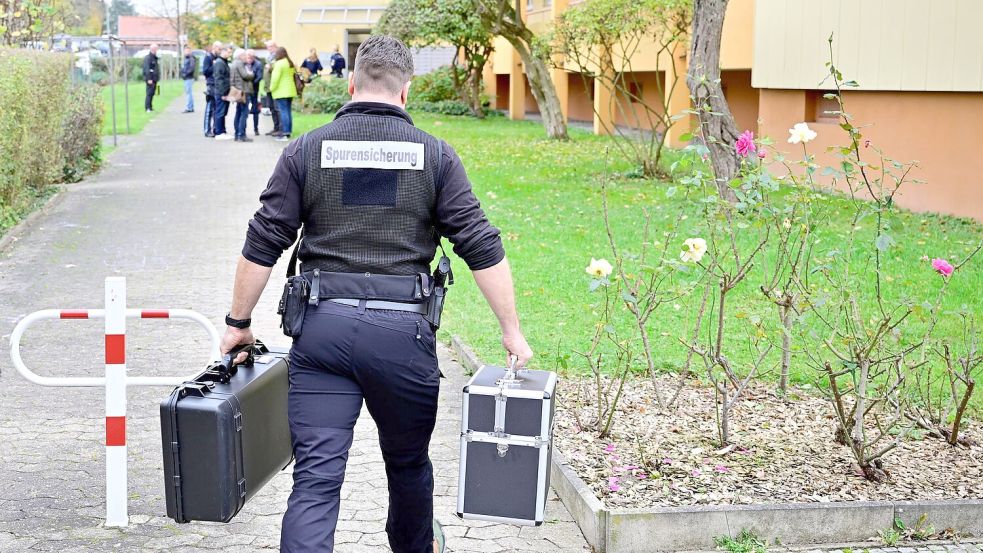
(599, 268)
(693, 250)
(800, 133)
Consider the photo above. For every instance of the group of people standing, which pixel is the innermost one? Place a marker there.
(240, 77)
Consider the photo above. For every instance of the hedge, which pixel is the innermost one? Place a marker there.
(432, 92)
(49, 131)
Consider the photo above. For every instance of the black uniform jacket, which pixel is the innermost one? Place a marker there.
(457, 214)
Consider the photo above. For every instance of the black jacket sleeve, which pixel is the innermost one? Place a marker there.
(275, 225)
(461, 220)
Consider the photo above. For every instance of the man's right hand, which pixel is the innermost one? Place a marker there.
(515, 345)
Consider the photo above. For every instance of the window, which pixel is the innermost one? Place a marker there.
(819, 108)
(530, 5)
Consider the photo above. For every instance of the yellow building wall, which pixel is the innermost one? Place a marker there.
(882, 44)
(298, 38)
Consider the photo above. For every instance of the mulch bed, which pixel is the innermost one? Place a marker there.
(784, 453)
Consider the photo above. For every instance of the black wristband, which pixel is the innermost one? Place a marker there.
(237, 323)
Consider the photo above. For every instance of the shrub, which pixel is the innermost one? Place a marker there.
(42, 116)
(436, 86)
(81, 136)
(445, 107)
(326, 95)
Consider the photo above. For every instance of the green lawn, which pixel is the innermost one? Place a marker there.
(169, 90)
(545, 197)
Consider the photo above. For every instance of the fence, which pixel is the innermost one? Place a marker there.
(115, 380)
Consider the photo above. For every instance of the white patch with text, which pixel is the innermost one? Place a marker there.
(337, 154)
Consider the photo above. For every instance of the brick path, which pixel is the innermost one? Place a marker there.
(169, 213)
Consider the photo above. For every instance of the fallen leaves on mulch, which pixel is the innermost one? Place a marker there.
(784, 452)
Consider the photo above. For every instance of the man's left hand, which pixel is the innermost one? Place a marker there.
(234, 337)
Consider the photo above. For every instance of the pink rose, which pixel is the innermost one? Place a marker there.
(745, 144)
(942, 267)
(761, 154)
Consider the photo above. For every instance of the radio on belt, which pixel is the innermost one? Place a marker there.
(506, 445)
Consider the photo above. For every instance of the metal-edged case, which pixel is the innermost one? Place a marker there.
(506, 445)
(223, 441)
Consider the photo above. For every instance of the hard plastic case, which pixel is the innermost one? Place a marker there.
(223, 441)
(506, 446)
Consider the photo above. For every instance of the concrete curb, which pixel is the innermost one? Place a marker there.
(14, 233)
(693, 528)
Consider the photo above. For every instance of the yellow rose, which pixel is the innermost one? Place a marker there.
(599, 268)
(693, 250)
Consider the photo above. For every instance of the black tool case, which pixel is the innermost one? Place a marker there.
(225, 435)
(506, 445)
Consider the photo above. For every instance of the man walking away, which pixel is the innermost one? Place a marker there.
(188, 69)
(206, 69)
(220, 72)
(254, 101)
(242, 79)
(268, 77)
(337, 63)
(151, 74)
(362, 219)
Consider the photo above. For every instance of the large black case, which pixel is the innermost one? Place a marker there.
(223, 441)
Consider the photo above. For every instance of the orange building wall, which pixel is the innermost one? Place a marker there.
(632, 115)
(936, 128)
(581, 105)
(741, 98)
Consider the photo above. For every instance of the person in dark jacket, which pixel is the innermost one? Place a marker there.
(189, 67)
(151, 74)
(206, 70)
(353, 351)
(337, 63)
(254, 99)
(223, 82)
(313, 65)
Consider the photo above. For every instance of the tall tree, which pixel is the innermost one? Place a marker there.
(247, 21)
(503, 17)
(424, 23)
(703, 78)
(116, 9)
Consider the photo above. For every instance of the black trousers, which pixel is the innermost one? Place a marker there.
(345, 355)
(148, 103)
(274, 112)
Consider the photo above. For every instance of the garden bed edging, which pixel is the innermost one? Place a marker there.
(686, 528)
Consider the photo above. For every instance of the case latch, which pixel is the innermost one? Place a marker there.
(238, 420)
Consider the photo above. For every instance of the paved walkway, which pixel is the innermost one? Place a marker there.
(169, 212)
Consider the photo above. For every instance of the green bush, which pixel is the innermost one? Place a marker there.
(46, 131)
(436, 86)
(81, 137)
(444, 107)
(326, 95)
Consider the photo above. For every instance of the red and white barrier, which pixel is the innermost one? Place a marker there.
(115, 380)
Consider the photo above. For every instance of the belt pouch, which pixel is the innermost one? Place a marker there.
(435, 305)
(293, 305)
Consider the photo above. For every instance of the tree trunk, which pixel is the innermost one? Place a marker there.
(503, 17)
(703, 78)
(541, 86)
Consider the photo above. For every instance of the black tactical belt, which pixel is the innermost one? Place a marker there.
(378, 304)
